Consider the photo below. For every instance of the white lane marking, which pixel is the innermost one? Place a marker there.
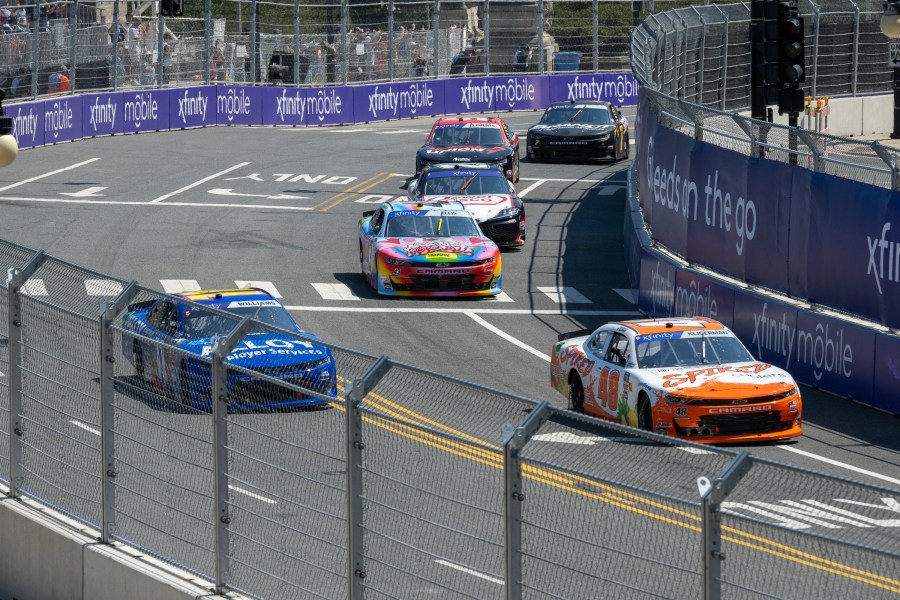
(266, 285)
(234, 488)
(51, 173)
(164, 205)
(87, 428)
(231, 192)
(335, 291)
(523, 193)
(629, 294)
(469, 571)
(503, 297)
(176, 286)
(102, 287)
(90, 192)
(563, 180)
(196, 183)
(567, 437)
(836, 463)
(562, 311)
(564, 295)
(34, 287)
(507, 337)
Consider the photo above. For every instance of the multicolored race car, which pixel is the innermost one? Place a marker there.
(471, 139)
(154, 329)
(483, 190)
(583, 130)
(684, 377)
(427, 249)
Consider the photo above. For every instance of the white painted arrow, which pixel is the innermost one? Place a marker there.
(231, 192)
(90, 192)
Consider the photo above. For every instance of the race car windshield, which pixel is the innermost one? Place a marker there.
(688, 352)
(590, 116)
(203, 324)
(454, 135)
(432, 226)
(477, 185)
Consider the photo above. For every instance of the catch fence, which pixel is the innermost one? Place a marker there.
(405, 483)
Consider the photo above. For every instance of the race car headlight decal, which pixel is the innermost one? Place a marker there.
(677, 399)
(396, 261)
(787, 394)
(512, 211)
(487, 261)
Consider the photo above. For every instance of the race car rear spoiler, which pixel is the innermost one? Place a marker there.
(573, 334)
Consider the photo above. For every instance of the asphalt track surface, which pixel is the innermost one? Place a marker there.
(281, 206)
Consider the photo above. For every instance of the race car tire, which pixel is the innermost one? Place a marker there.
(627, 147)
(362, 268)
(576, 395)
(644, 413)
(184, 384)
(139, 367)
(518, 169)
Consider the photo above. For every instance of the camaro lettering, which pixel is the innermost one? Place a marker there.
(740, 409)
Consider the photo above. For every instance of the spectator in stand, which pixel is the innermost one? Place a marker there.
(462, 59)
(522, 58)
(21, 83)
(217, 61)
(330, 60)
(58, 81)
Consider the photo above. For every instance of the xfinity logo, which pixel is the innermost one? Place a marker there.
(879, 249)
(58, 118)
(25, 125)
(384, 101)
(773, 334)
(143, 107)
(513, 91)
(189, 106)
(102, 114)
(621, 88)
(291, 106)
(413, 98)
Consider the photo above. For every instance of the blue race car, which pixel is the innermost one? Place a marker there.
(160, 325)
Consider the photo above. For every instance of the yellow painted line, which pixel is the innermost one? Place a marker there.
(363, 186)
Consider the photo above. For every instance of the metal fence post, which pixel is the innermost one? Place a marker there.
(750, 128)
(724, 59)
(702, 56)
(514, 439)
(595, 35)
(221, 348)
(890, 158)
(486, 27)
(390, 44)
(542, 61)
(355, 394)
(436, 36)
(108, 314)
(114, 61)
(35, 52)
(345, 20)
(855, 53)
(160, 46)
(711, 497)
(815, 69)
(297, 82)
(207, 40)
(14, 281)
(73, 36)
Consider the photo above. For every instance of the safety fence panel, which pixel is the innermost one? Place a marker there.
(162, 489)
(610, 510)
(432, 516)
(12, 256)
(839, 536)
(464, 409)
(60, 408)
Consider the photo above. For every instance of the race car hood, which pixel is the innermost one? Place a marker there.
(264, 351)
(464, 154)
(572, 129)
(482, 207)
(430, 250)
(735, 381)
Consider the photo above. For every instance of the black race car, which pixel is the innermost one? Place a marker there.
(581, 130)
(462, 140)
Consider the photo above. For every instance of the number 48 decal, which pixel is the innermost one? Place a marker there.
(608, 393)
(681, 411)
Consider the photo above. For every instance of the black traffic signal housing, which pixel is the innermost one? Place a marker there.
(791, 44)
(765, 72)
(171, 8)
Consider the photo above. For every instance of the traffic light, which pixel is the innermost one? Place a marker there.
(171, 8)
(791, 45)
(765, 74)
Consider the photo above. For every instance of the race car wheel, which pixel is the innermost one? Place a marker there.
(184, 381)
(576, 395)
(362, 268)
(627, 146)
(139, 367)
(644, 413)
(518, 169)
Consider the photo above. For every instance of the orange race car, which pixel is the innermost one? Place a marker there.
(685, 377)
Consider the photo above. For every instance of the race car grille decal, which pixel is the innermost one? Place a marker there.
(293, 367)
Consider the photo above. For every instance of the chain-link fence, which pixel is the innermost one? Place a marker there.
(694, 65)
(368, 478)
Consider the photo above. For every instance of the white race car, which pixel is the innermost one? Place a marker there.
(684, 377)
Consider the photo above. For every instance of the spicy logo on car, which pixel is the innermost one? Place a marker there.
(574, 357)
(676, 379)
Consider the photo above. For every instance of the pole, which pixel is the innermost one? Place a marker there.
(896, 133)
(792, 137)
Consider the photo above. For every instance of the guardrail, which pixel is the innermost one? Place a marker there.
(408, 481)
